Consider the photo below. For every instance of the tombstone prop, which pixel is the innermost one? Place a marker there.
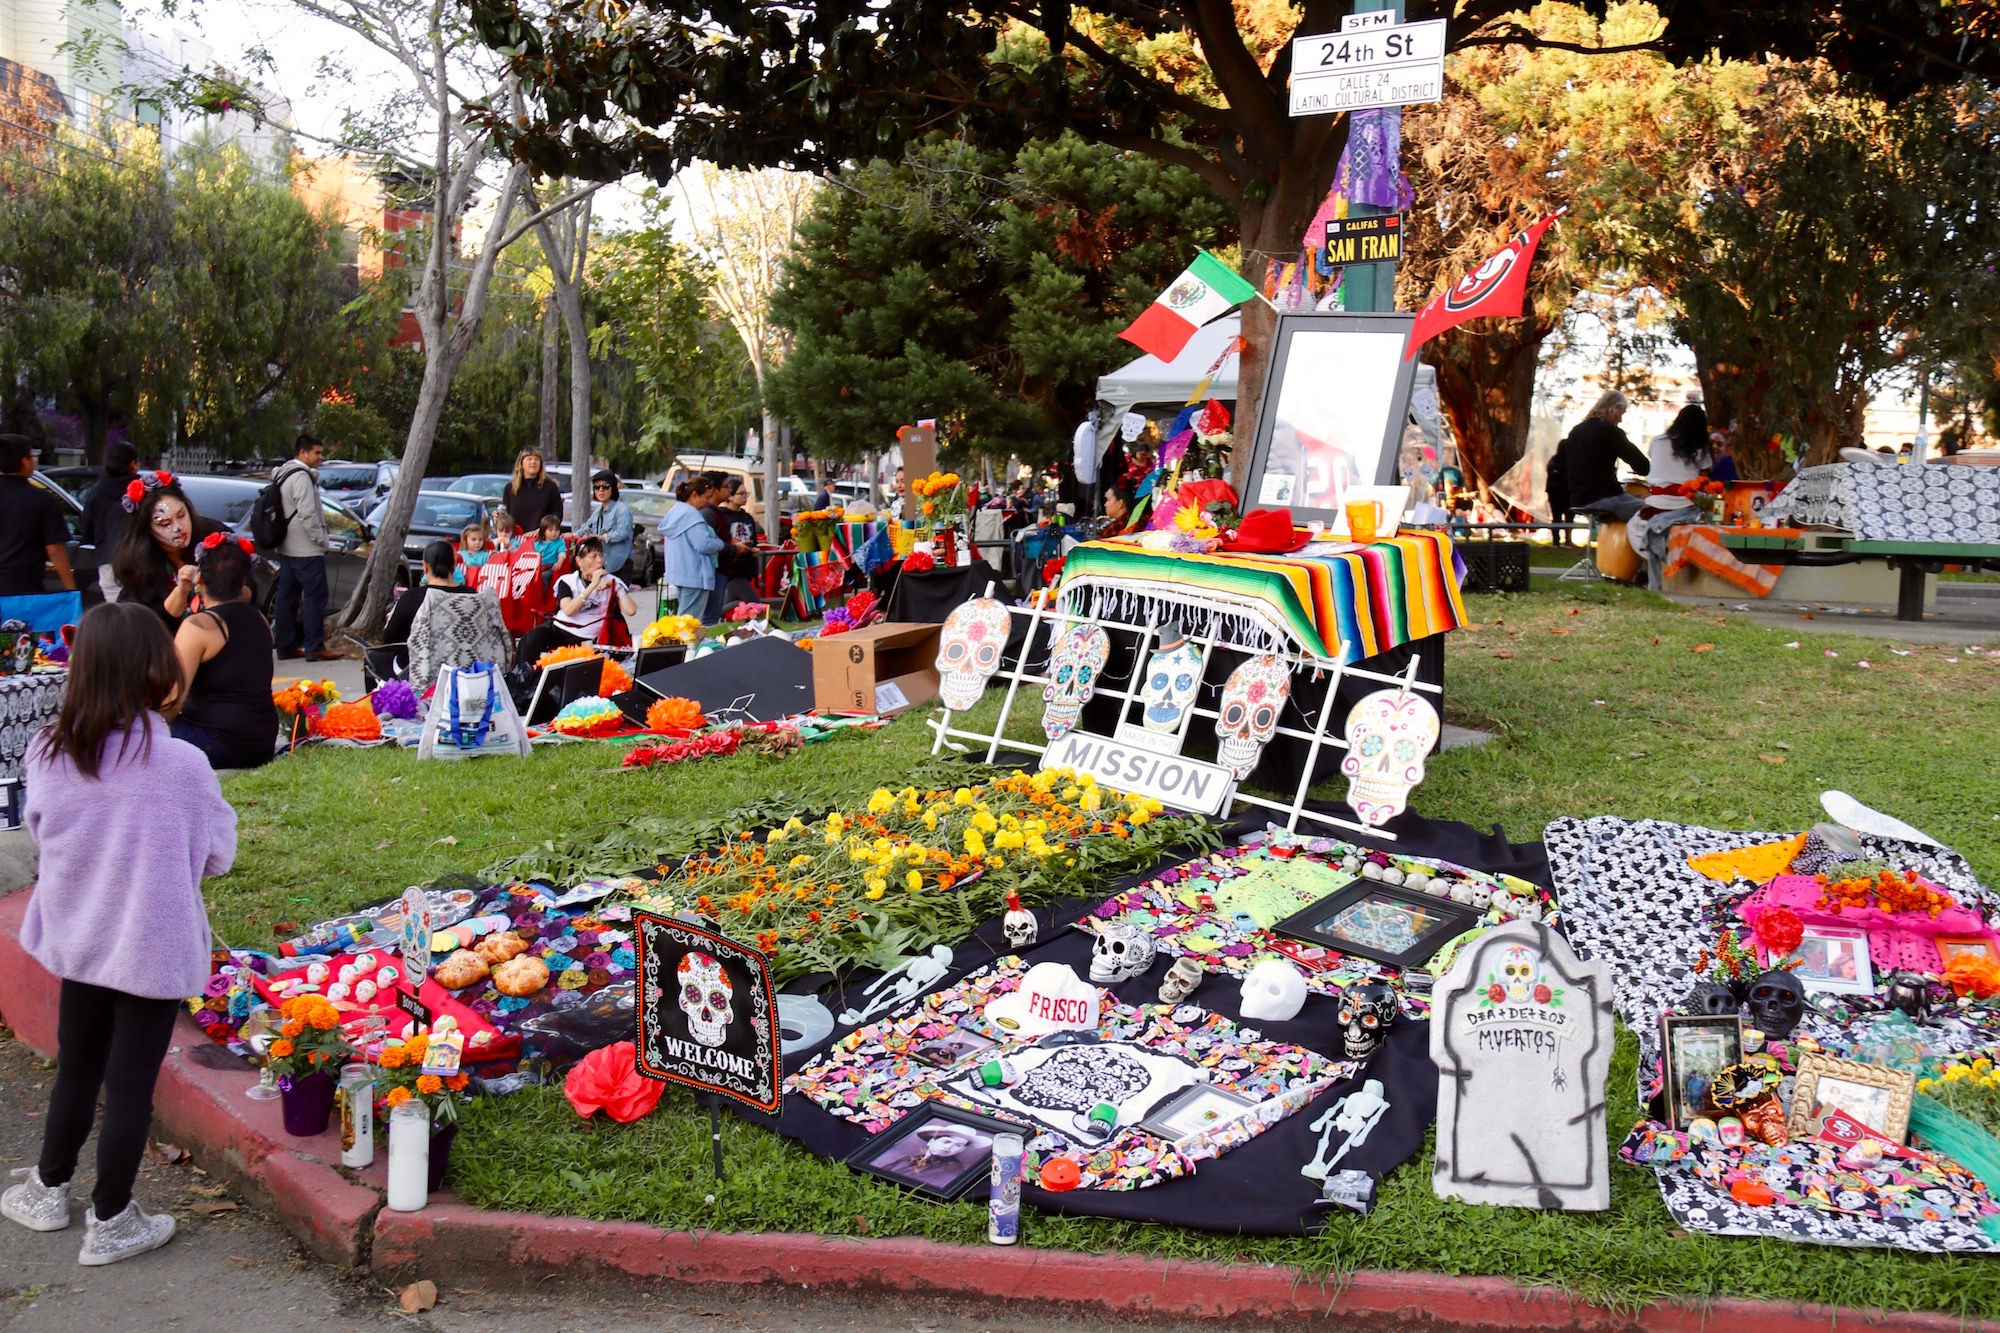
(1521, 1035)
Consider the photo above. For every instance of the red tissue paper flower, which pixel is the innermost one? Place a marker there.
(606, 1080)
(919, 562)
(701, 747)
(1779, 930)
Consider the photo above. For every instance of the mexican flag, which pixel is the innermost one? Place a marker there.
(1208, 289)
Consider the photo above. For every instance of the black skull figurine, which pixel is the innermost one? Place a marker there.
(1777, 1002)
(1367, 1008)
(1910, 993)
(1714, 999)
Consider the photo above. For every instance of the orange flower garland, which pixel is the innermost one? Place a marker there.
(353, 722)
(1887, 891)
(676, 716)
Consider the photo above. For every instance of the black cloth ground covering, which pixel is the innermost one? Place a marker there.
(1255, 1189)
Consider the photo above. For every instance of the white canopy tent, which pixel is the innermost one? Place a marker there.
(1151, 382)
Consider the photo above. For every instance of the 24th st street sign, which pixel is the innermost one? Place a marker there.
(1393, 65)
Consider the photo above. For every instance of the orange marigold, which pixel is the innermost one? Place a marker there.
(429, 1084)
(396, 1097)
(281, 1048)
(325, 1018)
(458, 1082)
(293, 1027)
(392, 1057)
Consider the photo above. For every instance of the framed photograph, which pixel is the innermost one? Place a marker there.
(1693, 1049)
(1335, 400)
(1381, 922)
(1879, 1098)
(1964, 946)
(952, 1048)
(936, 1152)
(1834, 958)
(1196, 1111)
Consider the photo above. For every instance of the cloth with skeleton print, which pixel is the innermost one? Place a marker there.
(1146, 1054)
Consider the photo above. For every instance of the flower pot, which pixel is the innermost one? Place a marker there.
(308, 1105)
(441, 1153)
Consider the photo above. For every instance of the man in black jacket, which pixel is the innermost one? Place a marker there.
(1589, 459)
(104, 516)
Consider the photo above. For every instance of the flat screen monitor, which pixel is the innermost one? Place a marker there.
(1335, 399)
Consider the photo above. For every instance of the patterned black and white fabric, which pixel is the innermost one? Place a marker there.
(27, 704)
(1938, 502)
(1630, 897)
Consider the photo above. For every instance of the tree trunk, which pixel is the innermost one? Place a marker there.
(1486, 386)
(579, 416)
(551, 373)
(767, 441)
(1736, 397)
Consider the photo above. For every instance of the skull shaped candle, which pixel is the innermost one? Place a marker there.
(1273, 992)
(1367, 1008)
(1018, 925)
(706, 994)
(1777, 1002)
(1389, 735)
(1172, 678)
(1079, 656)
(1123, 950)
(969, 651)
(1252, 699)
(1181, 979)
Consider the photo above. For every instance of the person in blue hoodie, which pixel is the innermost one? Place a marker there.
(689, 547)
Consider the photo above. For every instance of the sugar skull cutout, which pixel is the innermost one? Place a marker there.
(1389, 735)
(969, 649)
(1078, 659)
(1172, 677)
(706, 996)
(1252, 699)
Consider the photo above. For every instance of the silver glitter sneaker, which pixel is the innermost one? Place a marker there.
(132, 1232)
(36, 1206)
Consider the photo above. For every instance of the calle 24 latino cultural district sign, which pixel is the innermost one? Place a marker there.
(1368, 63)
(707, 1012)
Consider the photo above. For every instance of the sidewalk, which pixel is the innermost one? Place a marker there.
(338, 1217)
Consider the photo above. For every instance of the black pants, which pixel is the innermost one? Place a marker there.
(108, 1038)
(301, 604)
(542, 639)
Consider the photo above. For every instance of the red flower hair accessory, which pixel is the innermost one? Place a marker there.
(136, 489)
(214, 540)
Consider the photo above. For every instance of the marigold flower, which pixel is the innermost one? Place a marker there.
(914, 880)
(392, 1057)
(281, 1048)
(396, 1097)
(293, 1027)
(429, 1084)
(458, 1082)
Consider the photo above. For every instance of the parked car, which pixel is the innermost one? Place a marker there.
(357, 486)
(489, 484)
(439, 516)
(227, 501)
(731, 464)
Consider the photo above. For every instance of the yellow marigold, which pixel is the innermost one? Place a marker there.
(975, 844)
(293, 1027)
(396, 1097)
(876, 888)
(835, 823)
(429, 1084)
(963, 796)
(914, 880)
(1091, 800)
(281, 1048)
(879, 803)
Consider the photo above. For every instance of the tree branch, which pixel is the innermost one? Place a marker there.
(1236, 72)
(1153, 89)
(557, 207)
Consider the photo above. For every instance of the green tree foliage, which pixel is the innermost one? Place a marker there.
(978, 288)
(196, 302)
(1847, 241)
(690, 379)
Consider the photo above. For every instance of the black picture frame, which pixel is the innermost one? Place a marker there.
(892, 1157)
(561, 685)
(1315, 924)
(1674, 1028)
(1316, 350)
(1160, 1123)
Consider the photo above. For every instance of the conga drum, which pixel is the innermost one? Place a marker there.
(1615, 557)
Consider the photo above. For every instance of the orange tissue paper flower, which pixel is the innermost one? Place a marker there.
(616, 679)
(353, 722)
(675, 716)
(1970, 974)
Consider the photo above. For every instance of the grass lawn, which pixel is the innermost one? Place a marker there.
(1601, 701)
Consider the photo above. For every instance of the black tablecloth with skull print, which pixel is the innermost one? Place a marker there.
(1255, 1188)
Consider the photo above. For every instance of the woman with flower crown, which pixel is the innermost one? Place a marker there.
(154, 562)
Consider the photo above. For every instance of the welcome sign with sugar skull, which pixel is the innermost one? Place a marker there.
(707, 1012)
(1389, 735)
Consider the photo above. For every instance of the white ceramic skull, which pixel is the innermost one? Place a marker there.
(1019, 925)
(1181, 979)
(1273, 992)
(1172, 678)
(706, 996)
(1389, 735)
(1252, 699)
(1079, 656)
(1123, 950)
(969, 648)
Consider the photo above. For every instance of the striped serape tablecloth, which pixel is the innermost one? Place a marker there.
(1370, 598)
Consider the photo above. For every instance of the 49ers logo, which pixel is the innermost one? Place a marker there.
(1479, 284)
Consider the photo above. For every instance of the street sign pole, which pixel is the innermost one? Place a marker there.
(1371, 286)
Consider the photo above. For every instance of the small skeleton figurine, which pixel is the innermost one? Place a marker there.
(913, 977)
(1354, 1115)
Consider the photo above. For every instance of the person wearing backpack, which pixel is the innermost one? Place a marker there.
(301, 598)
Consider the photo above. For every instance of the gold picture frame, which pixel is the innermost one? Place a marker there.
(1879, 1098)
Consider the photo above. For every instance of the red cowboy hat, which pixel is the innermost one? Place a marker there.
(1267, 532)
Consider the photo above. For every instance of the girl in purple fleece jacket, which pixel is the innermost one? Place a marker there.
(128, 821)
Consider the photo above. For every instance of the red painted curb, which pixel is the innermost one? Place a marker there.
(524, 1250)
(342, 1222)
(204, 1110)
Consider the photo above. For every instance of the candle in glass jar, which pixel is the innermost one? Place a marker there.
(409, 1157)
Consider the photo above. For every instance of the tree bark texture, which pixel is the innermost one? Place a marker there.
(551, 372)
(1486, 386)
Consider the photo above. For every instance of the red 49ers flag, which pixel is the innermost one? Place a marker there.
(1497, 287)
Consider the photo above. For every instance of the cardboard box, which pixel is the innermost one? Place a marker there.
(884, 669)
